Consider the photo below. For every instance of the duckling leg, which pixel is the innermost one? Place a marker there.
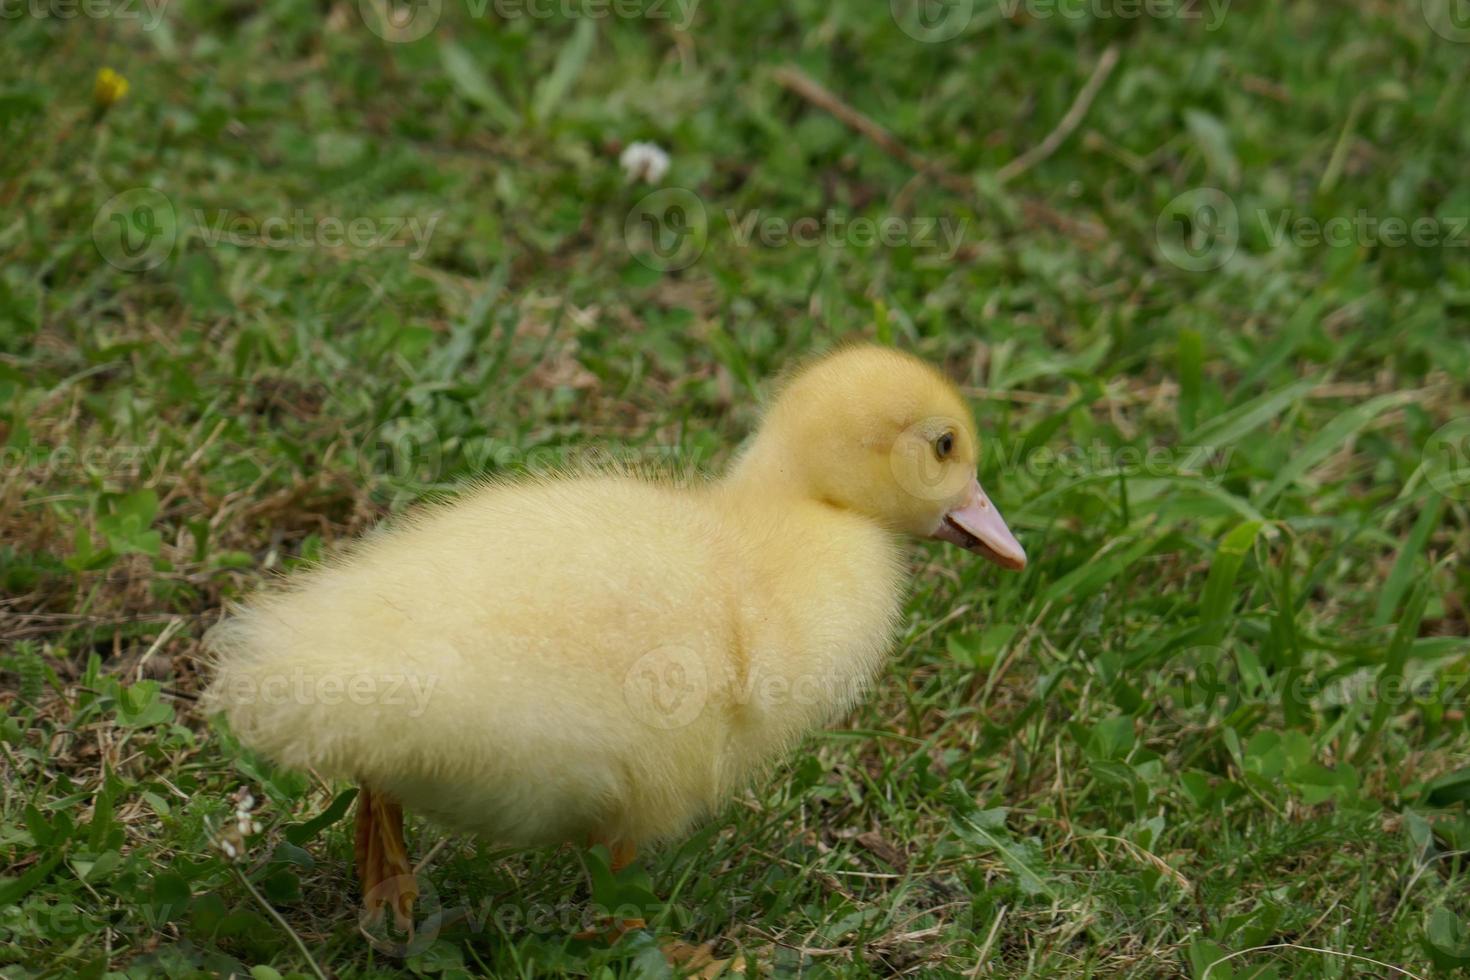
(382, 858)
(622, 853)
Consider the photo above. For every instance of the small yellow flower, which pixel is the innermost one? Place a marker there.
(111, 87)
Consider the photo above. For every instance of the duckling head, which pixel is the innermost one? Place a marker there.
(880, 433)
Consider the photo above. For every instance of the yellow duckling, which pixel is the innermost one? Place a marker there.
(608, 657)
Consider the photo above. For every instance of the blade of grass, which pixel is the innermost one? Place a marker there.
(1097, 571)
(1286, 637)
(1191, 377)
(1293, 336)
(1224, 430)
(1393, 666)
(1328, 440)
(1402, 573)
(1219, 595)
(569, 64)
(475, 85)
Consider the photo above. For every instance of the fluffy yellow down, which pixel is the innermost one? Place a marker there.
(607, 656)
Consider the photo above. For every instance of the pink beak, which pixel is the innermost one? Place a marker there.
(977, 526)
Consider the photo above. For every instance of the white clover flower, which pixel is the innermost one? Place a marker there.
(232, 837)
(644, 161)
(244, 801)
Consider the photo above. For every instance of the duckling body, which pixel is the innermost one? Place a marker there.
(595, 657)
(606, 656)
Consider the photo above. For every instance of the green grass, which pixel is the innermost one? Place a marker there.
(1223, 709)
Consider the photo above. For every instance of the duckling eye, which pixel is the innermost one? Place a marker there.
(944, 445)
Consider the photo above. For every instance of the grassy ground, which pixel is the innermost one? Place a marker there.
(1223, 712)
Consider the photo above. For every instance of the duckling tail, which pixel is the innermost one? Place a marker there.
(382, 859)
